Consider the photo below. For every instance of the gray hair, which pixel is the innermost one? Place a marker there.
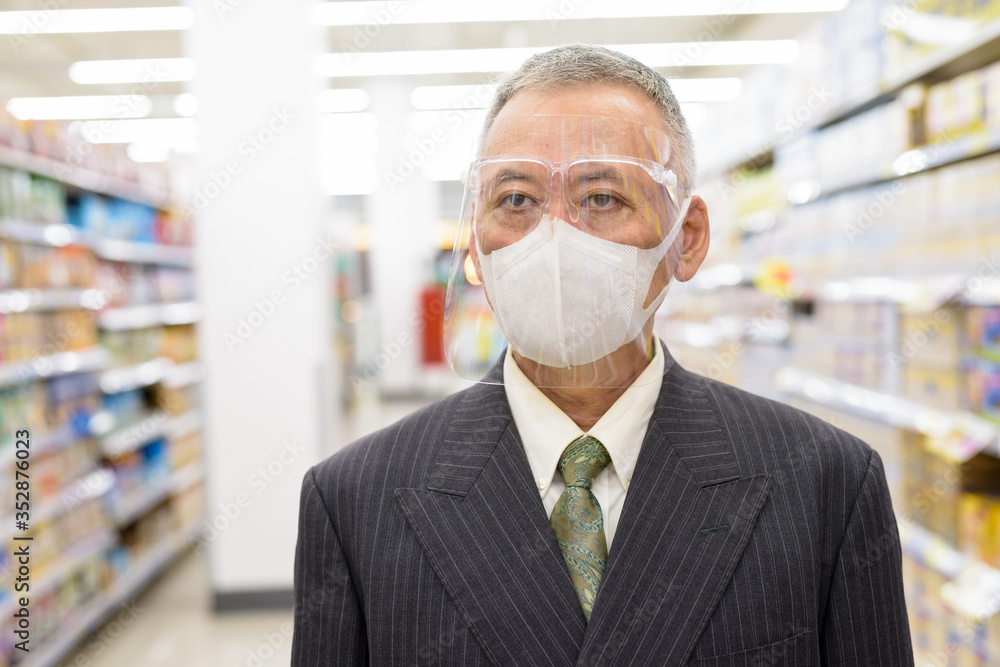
(583, 64)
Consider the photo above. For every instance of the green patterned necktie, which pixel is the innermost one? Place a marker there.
(577, 520)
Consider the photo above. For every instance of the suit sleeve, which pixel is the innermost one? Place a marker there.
(866, 621)
(329, 625)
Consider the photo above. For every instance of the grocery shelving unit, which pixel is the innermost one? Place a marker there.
(100, 554)
(947, 63)
(877, 330)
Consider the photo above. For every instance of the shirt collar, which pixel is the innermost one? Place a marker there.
(545, 430)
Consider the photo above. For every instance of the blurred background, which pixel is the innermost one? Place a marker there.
(226, 228)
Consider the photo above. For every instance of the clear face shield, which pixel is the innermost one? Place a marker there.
(569, 237)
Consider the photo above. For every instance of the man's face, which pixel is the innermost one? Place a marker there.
(619, 203)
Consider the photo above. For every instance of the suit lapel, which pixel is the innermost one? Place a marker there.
(482, 525)
(686, 521)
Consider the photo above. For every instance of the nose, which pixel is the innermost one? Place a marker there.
(558, 206)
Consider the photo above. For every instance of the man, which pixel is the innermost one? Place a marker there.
(754, 534)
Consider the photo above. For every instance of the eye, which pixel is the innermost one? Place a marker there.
(516, 200)
(601, 200)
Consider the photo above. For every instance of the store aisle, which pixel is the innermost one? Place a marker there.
(172, 624)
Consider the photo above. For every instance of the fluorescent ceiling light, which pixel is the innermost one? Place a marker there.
(343, 100)
(186, 104)
(464, 11)
(124, 19)
(81, 107)
(456, 61)
(724, 89)
(147, 130)
(145, 152)
(150, 70)
(434, 98)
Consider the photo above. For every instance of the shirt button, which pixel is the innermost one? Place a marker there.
(627, 482)
(541, 483)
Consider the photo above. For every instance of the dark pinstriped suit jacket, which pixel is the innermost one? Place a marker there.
(752, 534)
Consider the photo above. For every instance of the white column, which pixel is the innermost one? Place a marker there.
(263, 282)
(401, 216)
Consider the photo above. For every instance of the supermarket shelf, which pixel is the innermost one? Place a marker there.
(918, 160)
(153, 426)
(957, 435)
(183, 375)
(80, 177)
(139, 503)
(136, 376)
(152, 315)
(42, 234)
(188, 476)
(134, 581)
(931, 549)
(973, 586)
(70, 560)
(946, 63)
(917, 294)
(144, 253)
(184, 424)
(31, 300)
(62, 363)
(58, 235)
(160, 370)
(94, 484)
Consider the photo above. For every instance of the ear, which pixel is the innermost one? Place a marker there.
(696, 237)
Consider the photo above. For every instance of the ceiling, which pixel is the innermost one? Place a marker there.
(39, 67)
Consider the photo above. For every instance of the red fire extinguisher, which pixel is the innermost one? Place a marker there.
(432, 315)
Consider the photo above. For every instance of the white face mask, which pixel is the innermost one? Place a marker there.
(563, 297)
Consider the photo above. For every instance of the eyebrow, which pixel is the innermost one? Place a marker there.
(512, 175)
(606, 174)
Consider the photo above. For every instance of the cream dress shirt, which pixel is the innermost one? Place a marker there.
(546, 431)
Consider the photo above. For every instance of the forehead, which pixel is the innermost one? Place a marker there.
(591, 120)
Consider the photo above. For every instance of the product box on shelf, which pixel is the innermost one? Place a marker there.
(913, 33)
(982, 385)
(982, 328)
